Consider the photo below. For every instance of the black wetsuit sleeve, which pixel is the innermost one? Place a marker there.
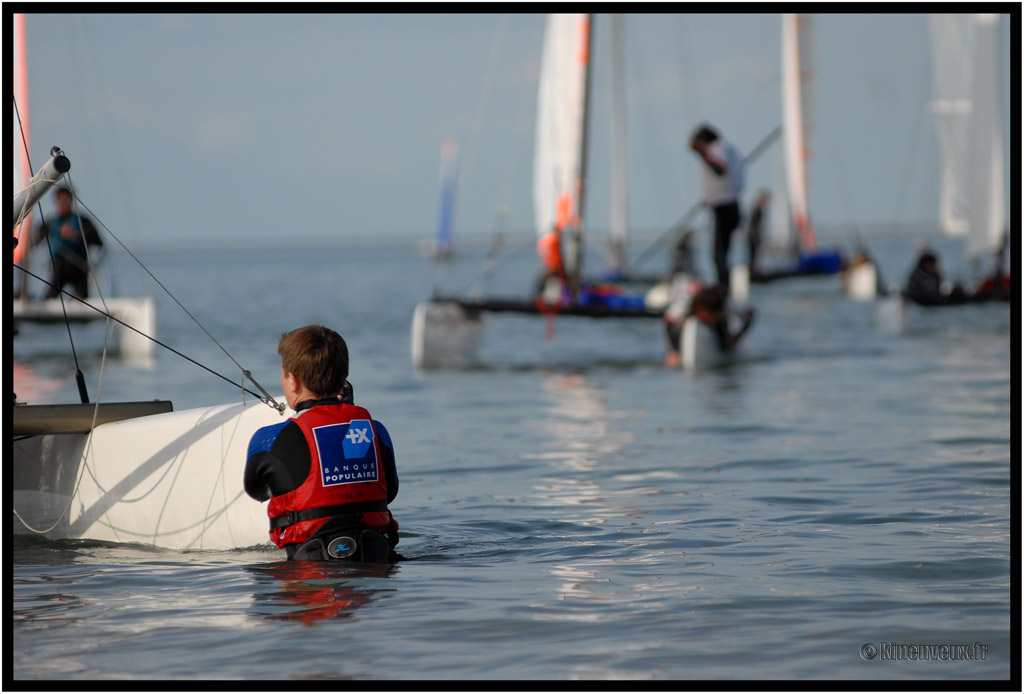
(90, 234)
(277, 468)
(721, 328)
(390, 472)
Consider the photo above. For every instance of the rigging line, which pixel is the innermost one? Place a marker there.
(269, 399)
(83, 394)
(148, 337)
(85, 454)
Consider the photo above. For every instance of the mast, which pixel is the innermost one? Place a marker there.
(618, 215)
(22, 166)
(576, 270)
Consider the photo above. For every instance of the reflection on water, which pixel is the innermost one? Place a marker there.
(309, 591)
(579, 434)
(612, 573)
(32, 385)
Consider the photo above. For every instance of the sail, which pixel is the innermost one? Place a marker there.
(449, 187)
(797, 122)
(22, 169)
(967, 107)
(561, 123)
(618, 229)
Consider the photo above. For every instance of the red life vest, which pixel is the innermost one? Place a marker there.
(345, 468)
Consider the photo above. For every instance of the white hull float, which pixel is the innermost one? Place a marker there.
(891, 312)
(172, 480)
(860, 282)
(135, 318)
(445, 335)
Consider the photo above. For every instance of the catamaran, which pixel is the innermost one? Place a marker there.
(967, 107)
(446, 330)
(129, 471)
(134, 316)
(792, 231)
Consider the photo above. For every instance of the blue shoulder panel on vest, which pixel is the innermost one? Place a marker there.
(264, 438)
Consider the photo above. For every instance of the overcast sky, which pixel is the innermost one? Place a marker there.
(227, 127)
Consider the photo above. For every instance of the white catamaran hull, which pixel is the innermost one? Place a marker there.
(444, 335)
(171, 480)
(861, 282)
(137, 318)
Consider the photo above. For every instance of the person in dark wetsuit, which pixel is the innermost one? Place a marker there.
(329, 472)
(68, 235)
(710, 306)
(926, 287)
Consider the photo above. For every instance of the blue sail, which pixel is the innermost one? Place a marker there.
(449, 186)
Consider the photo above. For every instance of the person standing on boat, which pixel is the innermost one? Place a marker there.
(69, 234)
(329, 472)
(722, 180)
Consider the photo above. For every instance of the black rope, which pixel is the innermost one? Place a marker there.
(148, 337)
(266, 398)
(83, 392)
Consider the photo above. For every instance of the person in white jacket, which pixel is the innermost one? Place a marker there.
(722, 179)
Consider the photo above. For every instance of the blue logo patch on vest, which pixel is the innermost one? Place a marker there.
(346, 451)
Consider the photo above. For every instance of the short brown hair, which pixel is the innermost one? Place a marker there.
(318, 356)
(711, 299)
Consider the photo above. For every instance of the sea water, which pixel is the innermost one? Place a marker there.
(833, 504)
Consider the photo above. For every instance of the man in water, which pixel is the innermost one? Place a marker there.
(710, 306)
(329, 471)
(926, 287)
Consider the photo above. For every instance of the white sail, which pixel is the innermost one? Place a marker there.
(967, 107)
(558, 145)
(797, 124)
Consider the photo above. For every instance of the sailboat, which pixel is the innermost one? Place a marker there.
(446, 330)
(797, 233)
(440, 248)
(132, 471)
(967, 109)
(134, 316)
(967, 79)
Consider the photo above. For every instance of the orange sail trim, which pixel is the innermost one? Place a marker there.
(584, 56)
(563, 211)
(550, 252)
(803, 226)
(22, 134)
